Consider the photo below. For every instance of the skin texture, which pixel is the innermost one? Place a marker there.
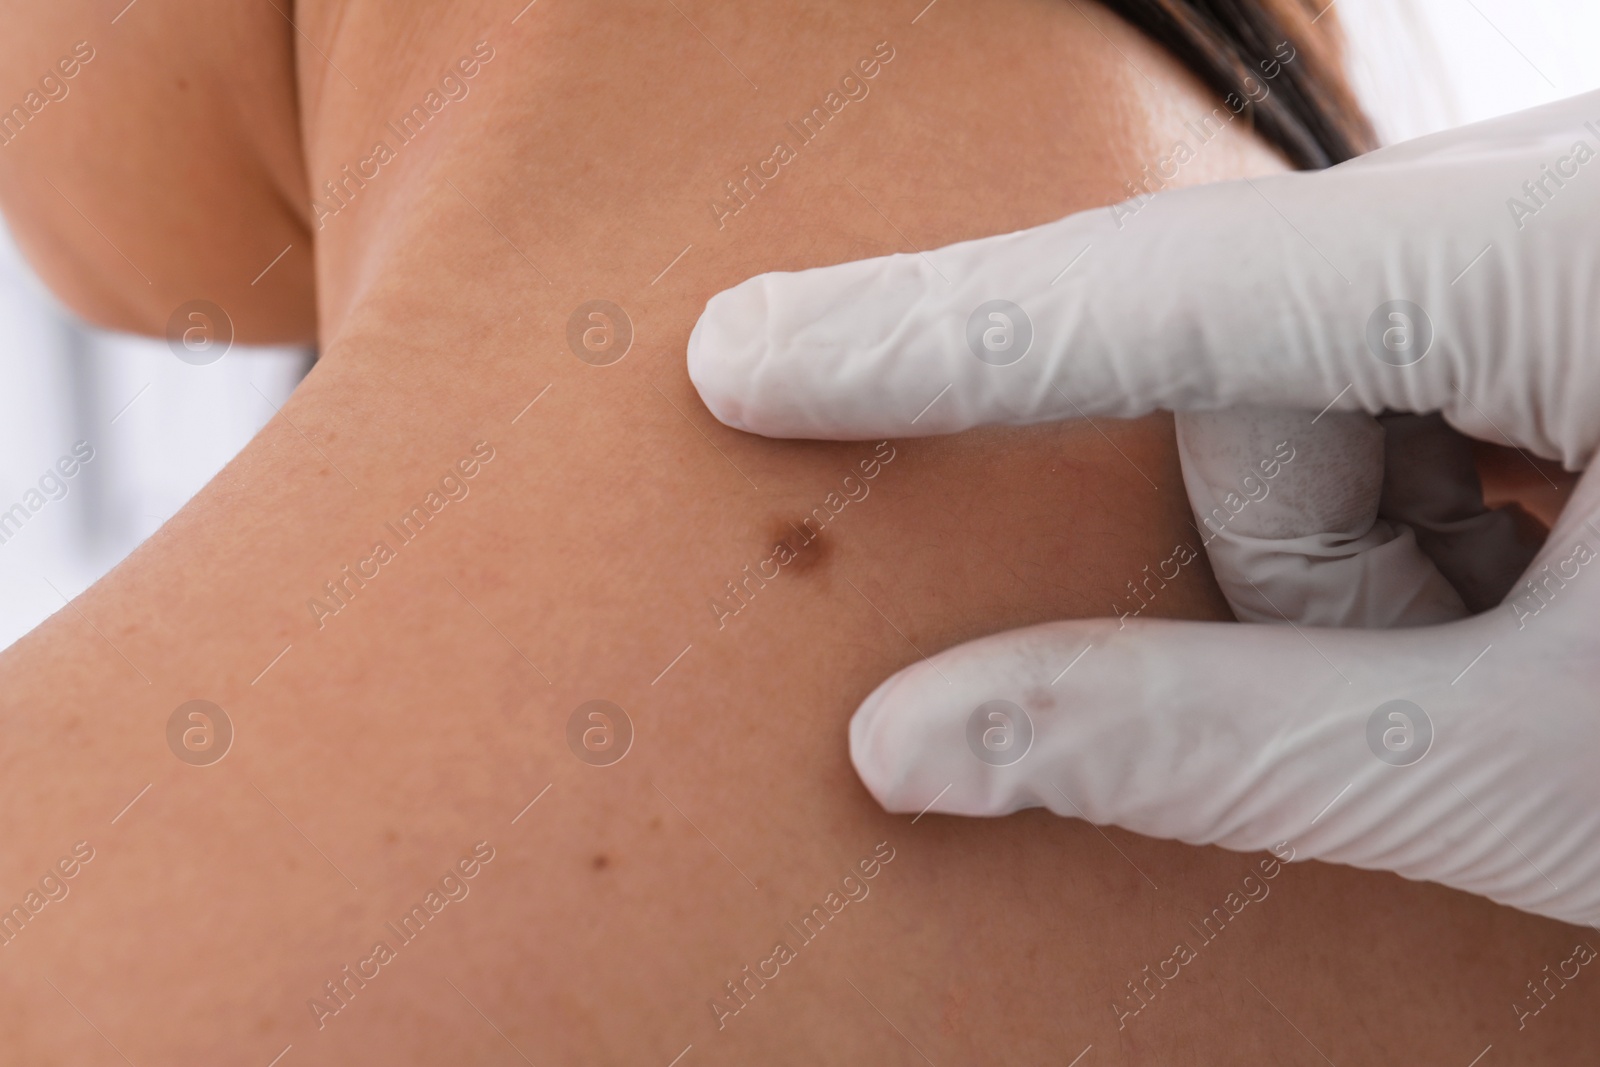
(376, 745)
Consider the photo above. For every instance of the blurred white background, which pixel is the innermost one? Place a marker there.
(160, 428)
(1426, 65)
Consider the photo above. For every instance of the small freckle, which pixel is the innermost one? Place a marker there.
(600, 862)
(390, 837)
(655, 822)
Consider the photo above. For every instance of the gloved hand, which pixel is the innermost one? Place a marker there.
(1457, 274)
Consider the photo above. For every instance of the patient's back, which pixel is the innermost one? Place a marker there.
(497, 501)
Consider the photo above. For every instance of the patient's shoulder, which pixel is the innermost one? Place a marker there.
(150, 156)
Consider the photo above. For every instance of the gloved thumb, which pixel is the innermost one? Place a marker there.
(1177, 730)
(1251, 738)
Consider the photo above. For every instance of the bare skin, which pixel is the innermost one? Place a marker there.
(424, 715)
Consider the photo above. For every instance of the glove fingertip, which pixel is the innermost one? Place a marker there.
(725, 347)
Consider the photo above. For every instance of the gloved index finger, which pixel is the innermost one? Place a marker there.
(1364, 287)
(902, 345)
(1075, 318)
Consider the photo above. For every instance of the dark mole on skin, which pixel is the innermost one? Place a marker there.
(810, 548)
(600, 862)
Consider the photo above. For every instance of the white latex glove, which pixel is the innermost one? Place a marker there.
(1275, 295)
